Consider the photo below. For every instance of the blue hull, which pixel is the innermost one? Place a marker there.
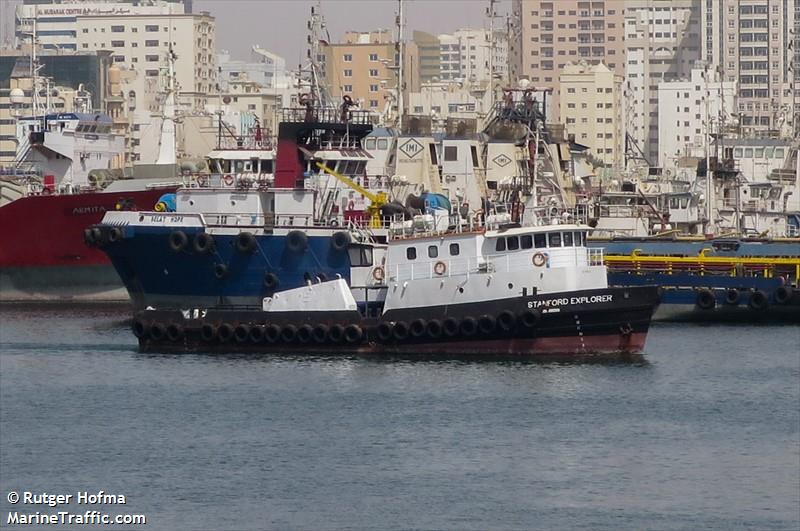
(156, 275)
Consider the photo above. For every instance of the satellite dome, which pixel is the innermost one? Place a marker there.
(17, 96)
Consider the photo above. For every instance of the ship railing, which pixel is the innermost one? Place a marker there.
(496, 263)
(324, 115)
(766, 267)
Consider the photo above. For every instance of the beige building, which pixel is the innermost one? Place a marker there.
(591, 106)
(362, 66)
(751, 42)
(551, 33)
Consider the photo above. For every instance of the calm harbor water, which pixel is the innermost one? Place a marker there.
(705, 434)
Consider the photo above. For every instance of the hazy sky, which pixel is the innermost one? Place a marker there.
(280, 25)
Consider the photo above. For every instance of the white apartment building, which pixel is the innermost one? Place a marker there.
(591, 106)
(662, 43)
(469, 54)
(691, 110)
(749, 40)
(263, 67)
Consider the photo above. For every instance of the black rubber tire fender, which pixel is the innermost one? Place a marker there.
(468, 326)
(242, 333)
(340, 240)
(114, 235)
(783, 295)
(530, 318)
(178, 240)
(706, 299)
(450, 327)
(384, 331)
(400, 331)
(304, 333)
(486, 324)
(336, 333)
(203, 243)
(417, 328)
(297, 241)
(157, 331)
(271, 281)
(225, 332)
(140, 328)
(272, 333)
(220, 271)
(732, 296)
(208, 332)
(246, 242)
(174, 332)
(320, 334)
(434, 329)
(353, 334)
(288, 333)
(758, 301)
(506, 321)
(257, 334)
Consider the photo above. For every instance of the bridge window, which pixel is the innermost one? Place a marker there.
(512, 243)
(527, 241)
(500, 245)
(411, 253)
(578, 239)
(266, 166)
(454, 249)
(540, 240)
(433, 251)
(450, 153)
(554, 239)
(369, 143)
(567, 239)
(383, 144)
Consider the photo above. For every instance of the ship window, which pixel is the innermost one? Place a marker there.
(567, 239)
(578, 239)
(432, 148)
(266, 166)
(526, 241)
(370, 143)
(474, 151)
(450, 153)
(433, 251)
(500, 245)
(779, 153)
(360, 256)
(411, 253)
(454, 249)
(383, 144)
(512, 242)
(555, 239)
(540, 240)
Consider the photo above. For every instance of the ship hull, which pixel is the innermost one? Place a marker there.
(43, 256)
(601, 321)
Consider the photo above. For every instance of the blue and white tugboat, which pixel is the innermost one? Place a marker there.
(464, 291)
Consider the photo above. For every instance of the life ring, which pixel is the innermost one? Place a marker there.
(201, 180)
(758, 301)
(706, 299)
(303, 99)
(440, 268)
(228, 179)
(347, 99)
(539, 259)
(225, 332)
(378, 273)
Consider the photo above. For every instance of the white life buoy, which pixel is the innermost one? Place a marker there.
(539, 259)
(440, 268)
(228, 179)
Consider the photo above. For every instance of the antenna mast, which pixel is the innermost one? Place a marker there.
(400, 48)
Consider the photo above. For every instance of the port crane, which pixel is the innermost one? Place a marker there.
(377, 200)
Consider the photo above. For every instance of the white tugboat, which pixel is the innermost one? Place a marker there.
(473, 291)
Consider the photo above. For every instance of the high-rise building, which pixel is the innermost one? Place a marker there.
(429, 56)
(751, 42)
(592, 109)
(554, 32)
(662, 44)
(690, 112)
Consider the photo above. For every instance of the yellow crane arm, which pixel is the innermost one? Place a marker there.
(352, 184)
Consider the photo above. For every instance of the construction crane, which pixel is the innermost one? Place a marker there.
(377, 200)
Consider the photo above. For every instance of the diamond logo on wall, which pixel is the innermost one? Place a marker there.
(411, 148)
(502, 160)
